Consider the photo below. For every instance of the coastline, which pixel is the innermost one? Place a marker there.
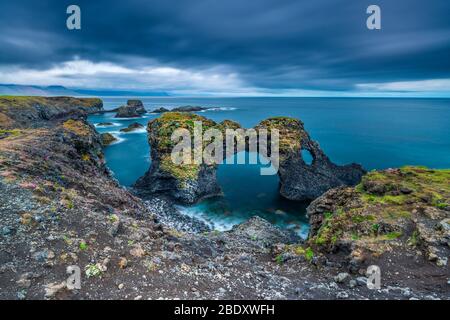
(60, 206)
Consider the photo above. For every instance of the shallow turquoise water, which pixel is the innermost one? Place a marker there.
(378, 133)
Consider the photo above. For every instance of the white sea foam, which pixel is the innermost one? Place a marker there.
(113, 124)
(140, 130)
(219, 109)
(118, 138)
(215, 223)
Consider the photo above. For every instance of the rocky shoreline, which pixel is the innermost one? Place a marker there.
(60, 206)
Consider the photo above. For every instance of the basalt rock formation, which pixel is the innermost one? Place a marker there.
(190, 183)
(183, 183)
(133, 109)
(21, 112)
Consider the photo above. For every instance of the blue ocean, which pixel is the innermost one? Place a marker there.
(375, 132)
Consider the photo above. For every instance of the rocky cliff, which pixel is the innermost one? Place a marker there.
(133, 109)
(21, 112)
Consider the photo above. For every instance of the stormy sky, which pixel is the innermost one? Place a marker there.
(230, 47)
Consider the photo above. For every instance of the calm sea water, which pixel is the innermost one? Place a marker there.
(377, 133)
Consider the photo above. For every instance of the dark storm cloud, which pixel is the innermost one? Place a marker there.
(277, 44)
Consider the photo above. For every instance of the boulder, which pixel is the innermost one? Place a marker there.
(107, 139)
(133, 109)
(160, 110)
(132, 127)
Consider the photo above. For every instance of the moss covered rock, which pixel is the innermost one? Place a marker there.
(107, 138)
(190, 182)
(20, 111)
(406, 207)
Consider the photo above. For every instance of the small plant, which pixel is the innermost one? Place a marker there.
(93, 270)
(67, 240)
(309, 254)
(375, 228)
(414, 239)
(393, 235)
(113, 218)
(83, 246)
(279, 259)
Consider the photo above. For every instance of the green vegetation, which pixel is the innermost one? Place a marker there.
(9, 102)
(10, 133)
(77, 127)
(83, 246)
(93, 270)
(290, 131)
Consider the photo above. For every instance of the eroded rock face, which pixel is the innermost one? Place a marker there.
(302, 181)
(107, 139)
(190, 183)
(133, 109)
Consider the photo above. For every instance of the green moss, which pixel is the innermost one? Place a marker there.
(359, 218)
(8, 102)
(182, 172)
(77, 127)
(93, 270)
(414, 239)
(392, 235)
(10, 133)
(279, 259)
(290, 131)
(298, 250)
(83, 246)
(396, 196)
(309, 254)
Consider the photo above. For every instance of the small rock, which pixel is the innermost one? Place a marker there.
(123, 263)
(137, 251)
(340, 278)
(120, 286)
(362, 281)
(352, 283)
(53, 288)
(6, 231)
(24, 280)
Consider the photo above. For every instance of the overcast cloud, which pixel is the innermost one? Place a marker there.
(233, 47)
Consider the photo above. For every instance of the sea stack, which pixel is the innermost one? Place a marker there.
(190, 183)
(133, 109)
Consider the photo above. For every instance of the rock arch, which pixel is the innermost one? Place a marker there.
(190, 183)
